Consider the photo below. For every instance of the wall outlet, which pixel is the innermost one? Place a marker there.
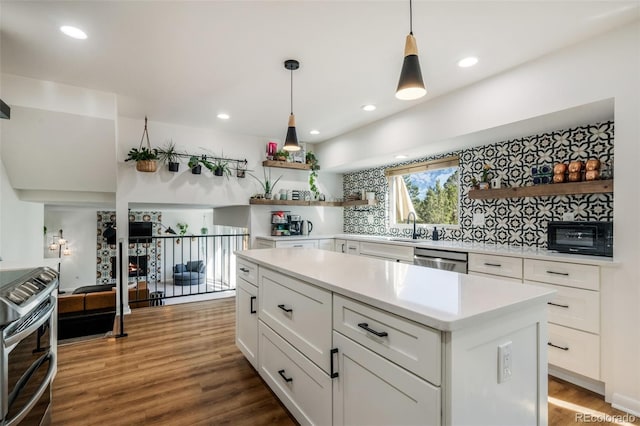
(505, 362)
(478, 219)
(568, 216)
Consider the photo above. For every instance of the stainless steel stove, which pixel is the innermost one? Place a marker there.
(28, 337)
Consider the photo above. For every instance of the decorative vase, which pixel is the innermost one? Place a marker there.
(483, 185)
(267, 195)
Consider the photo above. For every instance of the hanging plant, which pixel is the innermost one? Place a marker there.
(145, 157)
(169, 155)
(311, 159)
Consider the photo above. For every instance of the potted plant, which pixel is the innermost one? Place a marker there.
(220, 167)
(241, 169)
(267, 184)
(169, 155)
(281, 155)
(312, 160)
(145, 158)
(194, 165)
(484, 182)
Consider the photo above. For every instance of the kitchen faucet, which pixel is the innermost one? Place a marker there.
(414, 235)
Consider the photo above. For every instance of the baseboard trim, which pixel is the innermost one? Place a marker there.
(626, 404)
(577, 379)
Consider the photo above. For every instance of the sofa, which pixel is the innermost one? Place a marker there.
(193, 272)
(91, 309)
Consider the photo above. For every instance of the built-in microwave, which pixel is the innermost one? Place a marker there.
(594, 238)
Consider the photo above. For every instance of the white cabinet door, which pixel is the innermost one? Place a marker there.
(261, 244)
(371, 390)
(326, 244)
(503, 266)
(340, 246)
(353, 247)
(247, 321)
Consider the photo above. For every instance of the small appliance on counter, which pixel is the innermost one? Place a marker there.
(593, 238)
(295, 224)
(280, 223)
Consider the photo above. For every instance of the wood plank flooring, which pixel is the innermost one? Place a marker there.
(179, 366)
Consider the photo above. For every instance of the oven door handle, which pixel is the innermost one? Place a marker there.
(38, 394)
(15, 338)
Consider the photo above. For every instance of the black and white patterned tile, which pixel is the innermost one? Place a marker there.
(514, 221)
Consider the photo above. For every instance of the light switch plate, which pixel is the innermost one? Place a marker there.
(478, 219)
(505, 362)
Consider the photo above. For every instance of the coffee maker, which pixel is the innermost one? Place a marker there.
(295, 224)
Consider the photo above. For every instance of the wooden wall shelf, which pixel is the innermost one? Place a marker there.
(591, 187)
(286, 165)
(263, 202)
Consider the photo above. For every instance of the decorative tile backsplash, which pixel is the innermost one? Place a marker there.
(105, 252)
(514, 221)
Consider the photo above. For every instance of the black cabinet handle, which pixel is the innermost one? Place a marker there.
(564, 274)
(251, 308)
(556, 346)
(558, 305)
(244, 269)
(343, 247)
(377, 333)
(497, 265)
(286, 379)
(285, 309)
(332, 374)
(298, 245)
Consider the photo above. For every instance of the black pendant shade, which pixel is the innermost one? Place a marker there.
(410, 86)
(291, 141)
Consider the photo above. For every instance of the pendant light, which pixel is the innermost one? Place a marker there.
(291, 141)
(410, 85)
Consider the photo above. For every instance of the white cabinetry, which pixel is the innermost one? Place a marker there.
(574, 313)
(297, 244)
(502, 266)
(326, 244)
(323, 243)
(352, 247)
(371, 390)
(247, 312)
(340, 245)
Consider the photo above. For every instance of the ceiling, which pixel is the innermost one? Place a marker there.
(184, 62)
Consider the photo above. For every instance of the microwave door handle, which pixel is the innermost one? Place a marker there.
(38, 393)
(15, 338)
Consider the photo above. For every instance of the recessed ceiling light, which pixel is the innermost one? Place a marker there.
(314, 132)
(223, 116)
(369, 107)
(73, 32)
(467, 62)
(401, 157)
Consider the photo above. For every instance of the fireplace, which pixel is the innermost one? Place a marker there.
(137, 266)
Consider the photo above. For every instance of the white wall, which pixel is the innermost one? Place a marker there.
(603, 68)
(21, 228)
(80, 230)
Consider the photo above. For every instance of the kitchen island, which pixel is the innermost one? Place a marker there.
(343, 339)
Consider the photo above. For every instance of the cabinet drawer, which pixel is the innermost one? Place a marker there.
(300, 385)
(371, 390)
(387, 251)
(248, 271)
(574, 307)
(340, 246)
(569, 274)
(503, 266)
(326, 244)
(410, 345)
(297, 244)
(299, 312)
(574, 350)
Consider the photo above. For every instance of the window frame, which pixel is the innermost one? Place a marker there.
(424, 166)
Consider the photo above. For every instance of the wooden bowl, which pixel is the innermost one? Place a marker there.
(559, 168)
(592, 164)
(575, 166)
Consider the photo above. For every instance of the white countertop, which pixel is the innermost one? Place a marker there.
(482, 248)
(443, 300)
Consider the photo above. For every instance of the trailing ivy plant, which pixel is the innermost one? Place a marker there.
(311, 159)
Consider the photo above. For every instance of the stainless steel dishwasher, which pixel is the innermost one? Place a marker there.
(440, 259)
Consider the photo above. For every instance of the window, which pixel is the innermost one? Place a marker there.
(429, 189)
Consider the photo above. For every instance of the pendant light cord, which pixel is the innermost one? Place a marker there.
(410, 18)
(291, 92)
